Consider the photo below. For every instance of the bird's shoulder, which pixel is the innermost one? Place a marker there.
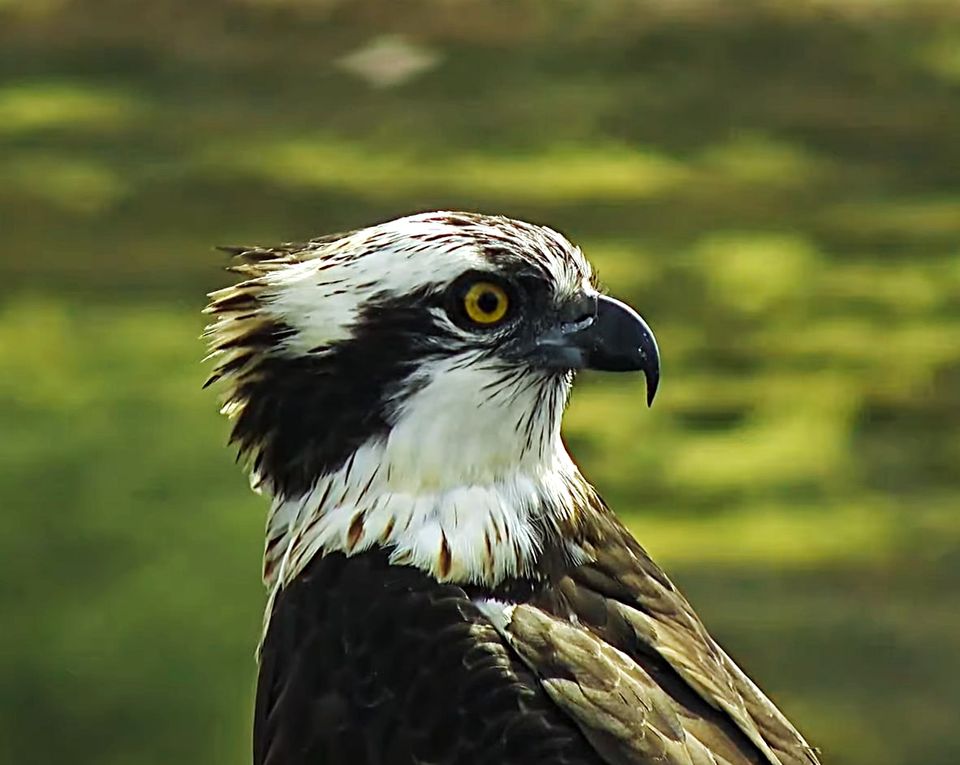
(367, 662)
(619, 648)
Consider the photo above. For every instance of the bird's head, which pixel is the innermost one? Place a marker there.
(421, 358)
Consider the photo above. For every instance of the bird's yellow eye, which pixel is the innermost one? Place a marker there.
(485, 303)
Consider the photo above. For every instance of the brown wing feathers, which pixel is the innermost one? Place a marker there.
(620, 650)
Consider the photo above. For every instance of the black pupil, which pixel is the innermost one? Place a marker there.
(488, 302)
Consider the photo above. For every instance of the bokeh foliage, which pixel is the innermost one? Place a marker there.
(774, 186)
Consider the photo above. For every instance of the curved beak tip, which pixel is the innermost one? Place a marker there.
(653, 382)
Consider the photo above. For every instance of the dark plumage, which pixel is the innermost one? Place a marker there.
(370, 663)
(374, 664)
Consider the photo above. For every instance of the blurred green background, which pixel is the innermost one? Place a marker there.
(776, 186)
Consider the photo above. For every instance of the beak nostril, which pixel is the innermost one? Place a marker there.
(569, 327)
(587, 316)
(580, 311)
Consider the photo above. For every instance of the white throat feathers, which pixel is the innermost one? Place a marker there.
(384, 399)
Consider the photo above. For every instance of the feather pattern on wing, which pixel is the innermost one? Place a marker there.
(620, 649)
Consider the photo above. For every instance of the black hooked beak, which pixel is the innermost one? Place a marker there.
(611, 338)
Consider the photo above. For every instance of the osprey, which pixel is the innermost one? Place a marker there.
(445, 585)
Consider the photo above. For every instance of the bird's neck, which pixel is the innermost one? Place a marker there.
(467, 484)
(481, 532)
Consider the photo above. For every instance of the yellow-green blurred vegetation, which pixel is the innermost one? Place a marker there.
(776, 186)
